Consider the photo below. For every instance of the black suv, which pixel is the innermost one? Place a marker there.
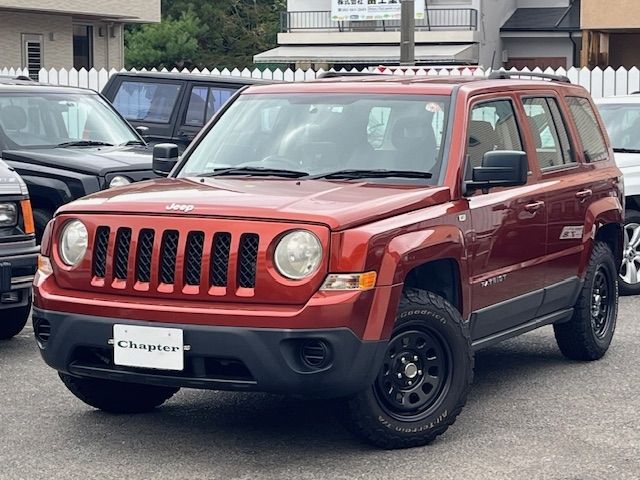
(171, 107)
(66, 143)
(18, 253)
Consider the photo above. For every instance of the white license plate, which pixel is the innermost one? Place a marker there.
(148, 347)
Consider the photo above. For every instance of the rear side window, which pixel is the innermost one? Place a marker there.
(492, 126)
(204, 102)
(146, 101)
(549, 132)
(593, 142)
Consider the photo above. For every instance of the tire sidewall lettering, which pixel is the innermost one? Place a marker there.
(423, 313)
(408, 430)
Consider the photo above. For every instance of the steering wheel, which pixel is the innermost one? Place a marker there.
(278, 160)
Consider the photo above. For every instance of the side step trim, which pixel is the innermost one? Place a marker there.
(556, 317)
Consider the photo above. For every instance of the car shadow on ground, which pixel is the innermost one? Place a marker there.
(242, 423)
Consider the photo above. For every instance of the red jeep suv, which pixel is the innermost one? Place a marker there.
(352, 237)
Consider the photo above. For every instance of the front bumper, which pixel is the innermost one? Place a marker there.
(18, 263)
(220, 357)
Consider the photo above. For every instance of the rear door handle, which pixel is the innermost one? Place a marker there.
(534, 206)
(584, 194)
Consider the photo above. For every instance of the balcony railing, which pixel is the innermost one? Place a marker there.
(435, 19)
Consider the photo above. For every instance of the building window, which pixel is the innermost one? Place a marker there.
(82, 46)
(32, 54)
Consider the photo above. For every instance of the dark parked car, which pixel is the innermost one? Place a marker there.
(66, 143)
(18, 253)
(171, 107)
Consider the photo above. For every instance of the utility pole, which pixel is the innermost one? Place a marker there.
(407, 32)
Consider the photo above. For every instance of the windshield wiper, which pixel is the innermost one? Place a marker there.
(84, 143)
(626, 150)
(132, 142)
(255, 171)
(379, 173)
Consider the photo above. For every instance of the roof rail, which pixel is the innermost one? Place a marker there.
(331, 74)
(19, 78)
(503, 75)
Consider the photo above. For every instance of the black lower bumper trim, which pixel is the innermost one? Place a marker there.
(220, 358)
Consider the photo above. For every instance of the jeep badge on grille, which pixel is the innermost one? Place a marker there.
(176, 207)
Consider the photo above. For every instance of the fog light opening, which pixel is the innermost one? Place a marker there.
(315, 354)
(41, 330)
(10, 297)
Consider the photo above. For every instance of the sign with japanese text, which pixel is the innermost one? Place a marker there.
(362, 10)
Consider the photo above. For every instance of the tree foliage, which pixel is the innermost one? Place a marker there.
(197, 33)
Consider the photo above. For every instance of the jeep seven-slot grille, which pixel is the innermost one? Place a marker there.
(100, 252)
(121, 260)
(220, 259)
(247, 260)
(143, 256)
(176, 259)
(193, 258)
(168, 252)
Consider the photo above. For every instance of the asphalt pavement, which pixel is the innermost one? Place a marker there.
(531, 415)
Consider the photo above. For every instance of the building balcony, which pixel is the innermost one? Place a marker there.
(436, 19)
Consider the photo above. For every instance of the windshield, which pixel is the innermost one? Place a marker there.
(48, 120)
(316, 134)
(623, 124)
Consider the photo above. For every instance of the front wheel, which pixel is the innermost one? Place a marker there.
(423, 382)
(14, 320)
(629, 280)
(117, 397)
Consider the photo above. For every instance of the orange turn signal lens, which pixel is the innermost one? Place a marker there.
(44, 265)
(350, 281)
(27, 215)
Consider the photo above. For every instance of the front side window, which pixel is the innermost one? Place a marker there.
(549, 132)
(320, 133)
(47, 120)
(492, 126)
(623, 125)
(584, 117)
(146, 101)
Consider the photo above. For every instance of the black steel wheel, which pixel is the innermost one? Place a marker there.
(588, 334)
(416, 374)
(601, 308)
(423, 380)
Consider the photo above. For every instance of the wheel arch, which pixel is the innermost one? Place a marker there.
(605, 222)
(433, 259)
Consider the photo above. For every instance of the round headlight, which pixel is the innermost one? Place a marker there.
(298, 254)
(119, 181)
(73, 242)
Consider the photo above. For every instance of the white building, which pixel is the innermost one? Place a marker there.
(454, 32)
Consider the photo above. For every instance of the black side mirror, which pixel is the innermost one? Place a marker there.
(143, 131)
(165, 157)
(500, 168)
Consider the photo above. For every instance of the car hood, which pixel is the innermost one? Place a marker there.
(91, 160)
(10, 182)
(335, 204)
(627, 160)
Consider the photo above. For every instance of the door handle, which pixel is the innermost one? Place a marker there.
(534, 206)
(584, 194)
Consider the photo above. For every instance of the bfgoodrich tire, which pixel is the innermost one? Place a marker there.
(14, 320)
(588, 334)
(424, 380)
(629, 280)
(117, 397)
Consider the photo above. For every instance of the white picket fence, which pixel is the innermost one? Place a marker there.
(601, 83)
